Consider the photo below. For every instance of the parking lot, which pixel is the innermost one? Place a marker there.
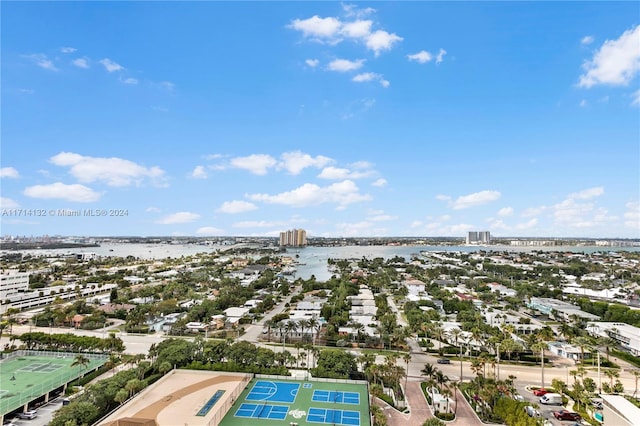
(45, 414)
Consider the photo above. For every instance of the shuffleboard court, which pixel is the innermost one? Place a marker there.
(336, 417)
(338, 397)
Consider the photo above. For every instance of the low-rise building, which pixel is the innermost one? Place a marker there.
(559, 309)
(627, 336)
(617, 411)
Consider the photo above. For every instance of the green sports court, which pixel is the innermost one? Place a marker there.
(275, 400)
(28, 375)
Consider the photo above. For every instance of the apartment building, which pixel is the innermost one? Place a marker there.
(627, 336)
(293, 238)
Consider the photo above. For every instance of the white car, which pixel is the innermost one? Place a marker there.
(28, 415)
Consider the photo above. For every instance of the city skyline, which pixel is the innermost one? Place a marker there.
(346, 120)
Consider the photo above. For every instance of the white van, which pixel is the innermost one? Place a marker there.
(551, 399)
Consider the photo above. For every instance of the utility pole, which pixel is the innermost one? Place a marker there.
(498, 358)
(599, 378)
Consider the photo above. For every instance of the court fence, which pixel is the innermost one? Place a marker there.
(50, 354)
(313, 379)
(222, 410)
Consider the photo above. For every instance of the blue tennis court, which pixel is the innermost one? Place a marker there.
(263, 411)
(338, 417)
(336, 396)
(265, 390)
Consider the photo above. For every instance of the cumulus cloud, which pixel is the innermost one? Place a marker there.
(381, 40)
(258, 164)
(42, 61)
(338, 173)
(364, 229)
(440, 56)
(180, 217)
(209, 231)
(8, 203)
(233, 207)
(586, 194)
(76, 192)
(110, 65)
(632, 215)
(505, 211)
(616, 62)
(129, 80)
(345, 65)
(470, 200)
(340, 193)
(527, 225)
(312, 62)
(379, 182)
(586, 40)
(422, 57)
(295, 161)
(9, 172)
(533, 211)
(113, 171)
(81, 63)
(68, 49)
(317, 28)
(356, 29)
(257, 224)
(152, 210)
(371, 76)
(199, 172)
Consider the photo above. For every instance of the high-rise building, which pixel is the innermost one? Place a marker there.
(293, 238)
(478, 237)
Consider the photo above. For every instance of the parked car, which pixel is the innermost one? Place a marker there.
(541, 391)
(531, 411)
(28, 415)
(551, 399)
(444, 361)
(566, 415)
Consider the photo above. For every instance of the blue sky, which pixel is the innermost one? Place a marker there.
(367, 119)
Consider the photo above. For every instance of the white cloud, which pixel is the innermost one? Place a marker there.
(443, 197)
(636, 98)
(632, 215)
(209, 231)
(9, 172)
(257, 224)
(382, 218)
(587, 193)
(356, 29)
(295, 161)
(42, 61)
(527, 225)
(312, 62)
(353, 10)
(345, 65)
(129, 80)
(110, 65)
(81, 63)
(316, 27)
(370, 76)
(213, 156)
(381, 40)
(422, 57)
(379, 182)
(533, 211)
(152, 210)
(233, 207)
(440, 56)
(586, 40)
(471, 200)
(76, 192)
(505, 211)
(337, 173)
(8, 203)
(258, 164)
(364, 229)
(199, 172)
(616, 62)
(340, 193)
(180, 217)
(113, 171)
(68, 49)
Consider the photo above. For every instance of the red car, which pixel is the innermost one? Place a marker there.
(566, 415)
(541, 391)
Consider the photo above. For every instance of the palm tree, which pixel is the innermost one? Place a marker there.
(121, 396)
(456, 333)
(81, 361)
(540, 347)
(269, 323)
(636, 376)
(611, 374)
(165, 367)
(407, 359)
(582, 342)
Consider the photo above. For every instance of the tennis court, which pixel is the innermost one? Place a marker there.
(265, 390)
(27, 375)
(281, 401)
(333, 396)
(262, 411)
(336, 417)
